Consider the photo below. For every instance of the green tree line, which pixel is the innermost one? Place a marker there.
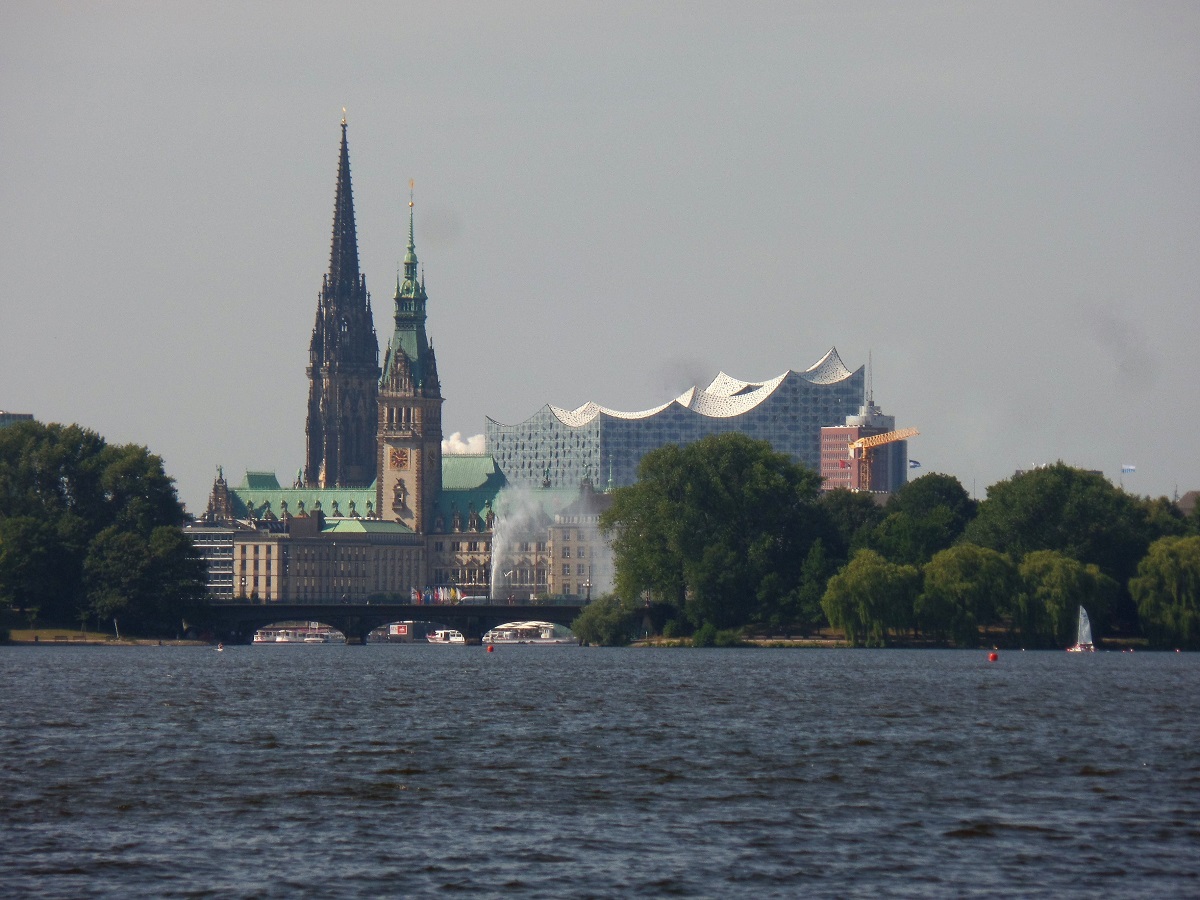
(91, 532)
(725, 533)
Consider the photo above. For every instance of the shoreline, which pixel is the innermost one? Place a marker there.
(49, 637)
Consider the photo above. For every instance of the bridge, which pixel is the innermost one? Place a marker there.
(236, 622)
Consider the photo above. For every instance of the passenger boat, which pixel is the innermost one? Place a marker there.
(445, 636)
(1083, 637)
(312, 633)
(530, 633)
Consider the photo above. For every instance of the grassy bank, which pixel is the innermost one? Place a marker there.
(58, 637)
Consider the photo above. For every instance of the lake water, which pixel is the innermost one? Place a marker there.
(390, 770)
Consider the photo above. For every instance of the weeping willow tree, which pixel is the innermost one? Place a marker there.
(870, 599)
(1167, 592)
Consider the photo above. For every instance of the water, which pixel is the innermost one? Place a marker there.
(333, 771)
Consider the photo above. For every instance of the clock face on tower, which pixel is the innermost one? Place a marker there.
(398, 458)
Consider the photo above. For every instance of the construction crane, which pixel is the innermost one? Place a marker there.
(861, 451)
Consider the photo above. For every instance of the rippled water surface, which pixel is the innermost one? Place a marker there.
(385, 770)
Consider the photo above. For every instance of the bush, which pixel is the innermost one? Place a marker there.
(707, 635)
(674, 629)
(606, 621)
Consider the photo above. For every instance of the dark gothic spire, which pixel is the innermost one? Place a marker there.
(343, 255)
(343, 358)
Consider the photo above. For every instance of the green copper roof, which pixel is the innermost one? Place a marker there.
(260, 492)
(468, 483)
(465, 473)
(261, 481)
(366, 526)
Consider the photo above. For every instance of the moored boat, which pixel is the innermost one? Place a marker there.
(530, 633)
(311, 633)
(445, 636)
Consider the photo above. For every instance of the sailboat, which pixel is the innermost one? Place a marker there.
(1083, 640)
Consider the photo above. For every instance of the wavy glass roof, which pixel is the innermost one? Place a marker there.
(724, 397)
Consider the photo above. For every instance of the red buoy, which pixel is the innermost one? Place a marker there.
(992, 657)
(490, 648)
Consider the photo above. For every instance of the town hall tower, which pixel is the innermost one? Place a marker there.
(410, 409)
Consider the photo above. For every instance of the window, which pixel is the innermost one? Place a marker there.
(579, 570)
(566, 553)
(566, 570)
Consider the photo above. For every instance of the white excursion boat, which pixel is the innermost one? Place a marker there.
(312, 633)
(530, 633)
(1083, 639)
(445, 636)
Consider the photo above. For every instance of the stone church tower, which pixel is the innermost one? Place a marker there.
(410, 409)
(343, 369)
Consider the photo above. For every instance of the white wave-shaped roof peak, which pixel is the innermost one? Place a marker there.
(724, 397)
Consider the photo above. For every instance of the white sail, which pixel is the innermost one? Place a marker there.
(1084, 638)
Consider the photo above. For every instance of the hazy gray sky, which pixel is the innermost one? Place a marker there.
(999, 201)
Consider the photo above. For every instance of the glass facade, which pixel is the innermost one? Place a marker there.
(788, 412)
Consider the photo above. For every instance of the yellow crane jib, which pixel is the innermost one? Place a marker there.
(861, 450)
(886, 438)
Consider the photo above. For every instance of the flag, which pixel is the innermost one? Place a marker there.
(1127, 469)
(914, 464)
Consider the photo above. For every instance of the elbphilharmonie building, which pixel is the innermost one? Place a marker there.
(559, 448)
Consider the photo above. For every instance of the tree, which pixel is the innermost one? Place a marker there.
(924, 495)
(81, 529)
(607, 621)
(720, 528)
(965, 587)
(1167, 592)
(1077, 513)
(870, 598)
(922, 518)
(26, 576)
(1053, 587)
(807, 613)
(852, 516)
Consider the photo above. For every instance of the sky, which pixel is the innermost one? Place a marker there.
(997, 204)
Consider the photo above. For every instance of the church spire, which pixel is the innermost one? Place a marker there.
(343, 254)
(410, 257)
(343, 358)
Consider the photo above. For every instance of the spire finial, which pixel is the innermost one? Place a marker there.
(410, 258)
(343, 117)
